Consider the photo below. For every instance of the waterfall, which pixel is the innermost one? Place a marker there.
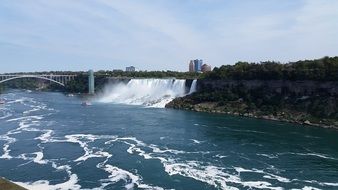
(147, 92)
(193, 86)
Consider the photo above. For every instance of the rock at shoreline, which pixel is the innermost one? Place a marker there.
(241, 108)
(7, 185)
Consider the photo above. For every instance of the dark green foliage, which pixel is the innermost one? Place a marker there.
(24, 83)
(149, 74)
(78, 85)
(325, 69)
(270, 102)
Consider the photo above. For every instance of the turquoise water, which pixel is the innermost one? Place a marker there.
(50, 141)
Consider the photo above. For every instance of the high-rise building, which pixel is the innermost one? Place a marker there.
(130, 69)
(205, 68)
(195, 65)
(198, 65)
(191, 66)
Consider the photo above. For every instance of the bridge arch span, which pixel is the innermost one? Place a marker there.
(32, 76)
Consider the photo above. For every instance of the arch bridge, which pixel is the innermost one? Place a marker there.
(58, 79)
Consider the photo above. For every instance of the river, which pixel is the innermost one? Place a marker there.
(49, 141)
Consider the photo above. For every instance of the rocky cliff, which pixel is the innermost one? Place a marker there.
(300, 88)
(306, 102)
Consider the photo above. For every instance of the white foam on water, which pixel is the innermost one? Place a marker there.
(212, 175)
(156, 149)
(220, 156)
(35, 109)
(23, 126)
(116, 174)
(26, 118)
(311, 137)
(91, 154)
(309, 154)
(271, 156)
(329, 184)
(260, 185)
(132, 181)
(148, 92)
(335, 184)
(197, 141)
(6, 150)
(310, 188)
(6, 115)
(45, 136)
(266, 174)
(209, 174)
(45, 184)
(21, 100)
(318, 155)
(83, 140)
(25, 123)
(205, 172)
(71, 184)
(39, 158)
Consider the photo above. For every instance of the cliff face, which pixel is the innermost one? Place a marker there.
(299, 88)
(306, 102)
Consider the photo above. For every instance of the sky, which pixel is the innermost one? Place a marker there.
(77, 35)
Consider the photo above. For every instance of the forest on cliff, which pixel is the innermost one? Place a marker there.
(302, 91)
(324, 69)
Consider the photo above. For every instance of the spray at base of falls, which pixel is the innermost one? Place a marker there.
(147, 92)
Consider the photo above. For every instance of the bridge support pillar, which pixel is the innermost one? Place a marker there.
(91, 82)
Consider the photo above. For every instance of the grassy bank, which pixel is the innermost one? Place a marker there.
(7, 185)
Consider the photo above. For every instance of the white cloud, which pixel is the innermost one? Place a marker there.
(165, 34)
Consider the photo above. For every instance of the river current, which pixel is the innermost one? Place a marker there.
(49, 141)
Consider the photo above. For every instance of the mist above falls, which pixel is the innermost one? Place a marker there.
(147, 92)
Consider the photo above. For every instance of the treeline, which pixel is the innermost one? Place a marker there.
(80, 82)
(148, 74)
(48, 73)
(305, 93)
(324, 69)
(25, 83)
(120, 73)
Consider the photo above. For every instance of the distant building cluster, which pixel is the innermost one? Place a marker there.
(130, 69)
(198, 66)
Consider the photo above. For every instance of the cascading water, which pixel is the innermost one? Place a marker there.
(193, 86)
(148, 92)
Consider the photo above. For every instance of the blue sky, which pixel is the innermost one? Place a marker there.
(39, 35)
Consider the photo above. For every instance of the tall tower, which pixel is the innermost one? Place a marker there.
(191, 66)
(198, 64)
(91, 82)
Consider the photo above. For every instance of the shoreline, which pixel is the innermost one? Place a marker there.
(8, 185)
(202, 109)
